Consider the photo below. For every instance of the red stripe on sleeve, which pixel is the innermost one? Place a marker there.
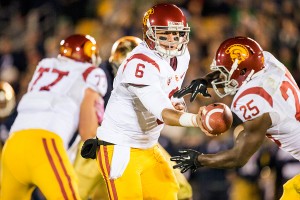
(87, 72)
(143, 58)
(54, 169)
(258, 91)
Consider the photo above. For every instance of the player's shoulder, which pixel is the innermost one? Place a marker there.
(251, 93)
(267, 83)
(251, 102)
(270, 59)
(146, 56)
(95, 79)
(92, 70)
(141, 67)
(47, 61)
(141, 61)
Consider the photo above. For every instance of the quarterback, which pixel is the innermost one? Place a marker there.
(91, 182)
(141, 102)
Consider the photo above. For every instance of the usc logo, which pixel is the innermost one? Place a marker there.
(237, 51)
(146, 15)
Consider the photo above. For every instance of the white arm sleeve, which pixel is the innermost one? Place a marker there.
(153, 98)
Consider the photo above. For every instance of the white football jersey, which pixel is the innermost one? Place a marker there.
(274, 92)
(54, 95)
(126, 121)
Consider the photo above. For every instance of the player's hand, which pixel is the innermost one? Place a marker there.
(199, 121)
(197, 86)
(188, 159)
(179, 106)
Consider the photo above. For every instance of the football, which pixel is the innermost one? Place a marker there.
(216, 118)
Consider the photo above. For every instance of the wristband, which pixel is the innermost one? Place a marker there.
(188, 120)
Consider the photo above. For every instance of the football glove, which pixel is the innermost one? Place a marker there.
(188, 159)
(197, 86)
(89, 148)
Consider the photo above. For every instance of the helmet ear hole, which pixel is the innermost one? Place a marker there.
(243, 71)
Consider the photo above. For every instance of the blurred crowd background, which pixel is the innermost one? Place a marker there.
(31, 30)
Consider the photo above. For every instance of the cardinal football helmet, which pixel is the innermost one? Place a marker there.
(82, 48)
(167, 19)
(238, 60)
(120, 49)
(7, 99)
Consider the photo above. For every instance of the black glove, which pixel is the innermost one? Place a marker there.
(196, 86)
(89, 148)
(188, 159)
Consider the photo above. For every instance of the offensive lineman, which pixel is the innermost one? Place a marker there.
(61, 97)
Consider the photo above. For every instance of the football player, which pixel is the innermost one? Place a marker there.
(90, 179)
(91, 182)
(62, 96)
(127, 150)
(265, 104)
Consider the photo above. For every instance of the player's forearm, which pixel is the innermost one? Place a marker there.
(171, 117)
(88, 130)
(88, 120)
(246, 144)
(174, 117)
(225, 159)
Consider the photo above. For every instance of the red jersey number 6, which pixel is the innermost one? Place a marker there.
(139, 73)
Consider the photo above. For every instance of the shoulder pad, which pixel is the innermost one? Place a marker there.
(96, 79)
